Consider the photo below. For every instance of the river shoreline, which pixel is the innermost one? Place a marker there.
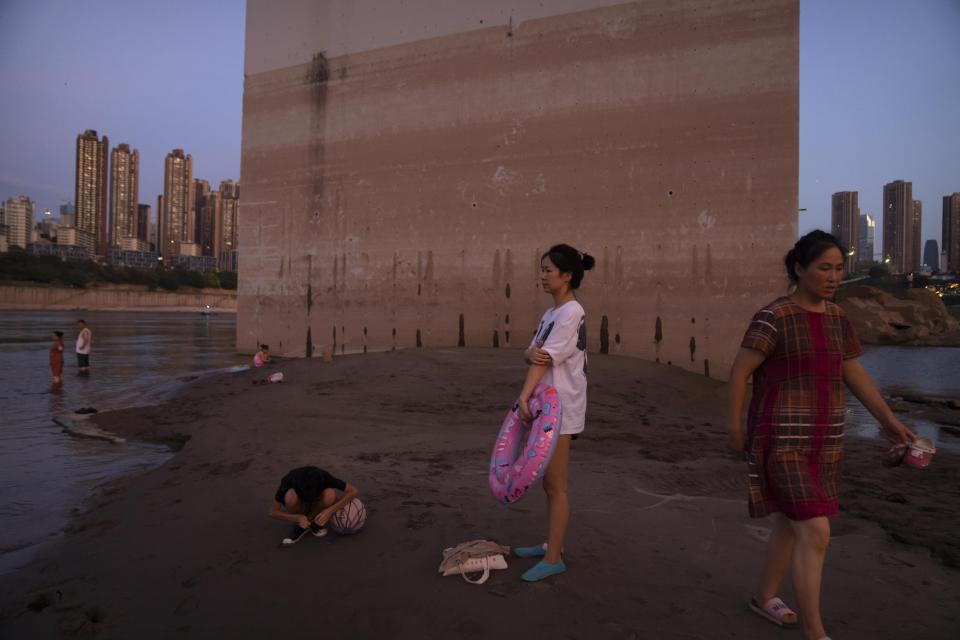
(659, 516)
(113, 297)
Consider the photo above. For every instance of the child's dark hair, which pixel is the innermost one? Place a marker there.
(59, 334)
(809, 248)
(265, 346)
(569, 260)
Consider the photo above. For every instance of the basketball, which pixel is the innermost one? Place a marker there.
(350, 519)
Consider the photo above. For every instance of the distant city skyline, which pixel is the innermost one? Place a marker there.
(872, 109)
(177, 84)
(875, 109)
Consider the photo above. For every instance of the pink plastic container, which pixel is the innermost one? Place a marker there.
(920, 454)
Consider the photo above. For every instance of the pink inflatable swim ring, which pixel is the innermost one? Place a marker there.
(515, 464)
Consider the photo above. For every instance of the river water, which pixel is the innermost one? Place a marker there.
(138, 359)
(141, 358)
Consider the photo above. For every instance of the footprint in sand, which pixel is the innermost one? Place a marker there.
(757, 533)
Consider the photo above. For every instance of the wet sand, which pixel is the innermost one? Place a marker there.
(660, 545)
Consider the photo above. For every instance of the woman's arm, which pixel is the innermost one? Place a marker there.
(349, 493)
(536, 355)
(534, 375)
(746, 362)
(866, 392)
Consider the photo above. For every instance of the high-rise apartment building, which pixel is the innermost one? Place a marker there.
(176, 215)
(845, 224)
(229, 189)
(210, 222)
(950, 239)
(916, 234)
(90, 196)
(201, 189)
(18, 214)
(229, 211)
(158, 239)
(868, 234)
(68, 215)
(898, 226)
(143, 222)
(124, 193)
(931, 255)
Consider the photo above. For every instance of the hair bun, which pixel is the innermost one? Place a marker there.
(588, 262)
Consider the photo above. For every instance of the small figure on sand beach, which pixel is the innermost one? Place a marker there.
(801, 350)
(56, 357)
(307, 497)
(84, 343)
(558, 357)
(262, 356)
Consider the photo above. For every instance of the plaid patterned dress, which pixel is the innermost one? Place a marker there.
(795, 422)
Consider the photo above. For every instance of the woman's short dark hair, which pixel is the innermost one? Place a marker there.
(809, 248)
(568, 260)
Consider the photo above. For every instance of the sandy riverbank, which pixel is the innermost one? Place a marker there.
(114, 297)
(660, 545)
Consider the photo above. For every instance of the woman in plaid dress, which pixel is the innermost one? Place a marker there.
(801, 351)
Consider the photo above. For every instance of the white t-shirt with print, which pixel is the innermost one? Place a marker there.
(563, 334)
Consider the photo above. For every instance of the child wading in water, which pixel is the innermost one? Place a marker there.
(56, 357)
(558, 357)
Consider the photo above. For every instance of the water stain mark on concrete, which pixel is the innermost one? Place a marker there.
(658, 336)
(604, 335)
(419, 340)
(309, 350)
(693, 348)
(319, 71)
(496, 339)
(461, 341)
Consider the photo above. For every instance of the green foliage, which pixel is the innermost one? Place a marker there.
(16, 265)
(168, 280)
(76, 279)
(228, 279)
(878, 270)
(189, 278)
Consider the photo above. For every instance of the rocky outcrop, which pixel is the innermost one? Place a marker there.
(915, 316)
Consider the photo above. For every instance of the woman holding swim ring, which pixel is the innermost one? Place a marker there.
(558, 357)
(801, 350)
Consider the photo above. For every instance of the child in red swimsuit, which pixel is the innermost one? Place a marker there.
(56, 357)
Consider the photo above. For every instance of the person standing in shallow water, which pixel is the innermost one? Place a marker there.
(84, 339)
(56, 357)
(801, 350)
(558, 357)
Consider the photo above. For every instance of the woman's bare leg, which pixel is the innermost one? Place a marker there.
(777, 563)
(810, 550)
(558, 506)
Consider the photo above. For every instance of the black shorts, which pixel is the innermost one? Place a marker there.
(83, 360)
